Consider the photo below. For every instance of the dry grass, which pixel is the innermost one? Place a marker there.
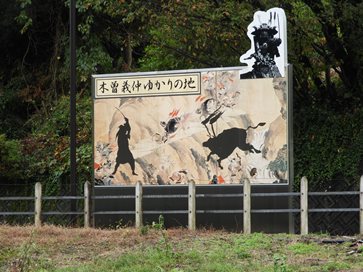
(68, 246)
(50, 248)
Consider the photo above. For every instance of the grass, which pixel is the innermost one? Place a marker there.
(153, 248)
(303, 248)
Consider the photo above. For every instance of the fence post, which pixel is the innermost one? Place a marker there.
(86, 205)
(247, 206)
(191, 205)
(138, 205)
(38, 205)
(361, 205)
(304, 206)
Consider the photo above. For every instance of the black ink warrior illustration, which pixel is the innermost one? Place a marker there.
(265, 49)
(171, 126)
(210, 112)
(211, 109)
(225, 142)
(124, 154)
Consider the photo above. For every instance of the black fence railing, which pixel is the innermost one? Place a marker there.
(39, 213)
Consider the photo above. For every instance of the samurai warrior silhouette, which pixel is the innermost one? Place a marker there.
(124, 154)
(266, 49)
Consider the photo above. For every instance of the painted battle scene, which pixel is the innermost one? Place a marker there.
(234, 130)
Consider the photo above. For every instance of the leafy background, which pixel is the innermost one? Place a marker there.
(324, 40)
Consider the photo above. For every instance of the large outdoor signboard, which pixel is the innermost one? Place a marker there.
(215, 126)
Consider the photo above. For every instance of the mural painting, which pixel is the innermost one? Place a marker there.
(234, 129)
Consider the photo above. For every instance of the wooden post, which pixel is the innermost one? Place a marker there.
(86, 205)
(304, 206)
(191, 205)
(361, 205)
(138, 205)
(38, 205)
(247, 206)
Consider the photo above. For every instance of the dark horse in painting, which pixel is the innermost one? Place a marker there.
(225, 142)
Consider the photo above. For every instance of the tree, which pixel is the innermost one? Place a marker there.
(119, 36)
(197, 34)
(342, 27)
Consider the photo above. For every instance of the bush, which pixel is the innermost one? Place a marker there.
(47, 149)
(11, 159)
(328, 148)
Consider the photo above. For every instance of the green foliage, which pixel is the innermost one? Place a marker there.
(23, 18)
(190, 34)
(213, 252)
(11, 159)
(342, 81)
(27, 257)
(90, 56)
(280, 263)
(47, 148)
(303, 248)
(328, 148)
(336, 266)
(12, 113)
(254, 241)
(158, 226)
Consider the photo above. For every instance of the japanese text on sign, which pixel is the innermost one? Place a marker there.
(153, 85)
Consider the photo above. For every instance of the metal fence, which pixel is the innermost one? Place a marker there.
(191, 211)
